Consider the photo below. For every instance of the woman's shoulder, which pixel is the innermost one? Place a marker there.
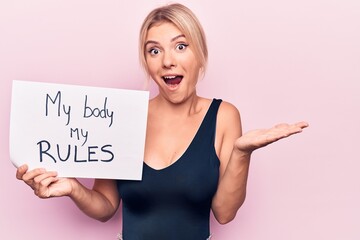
(228, 116)
(228, 109)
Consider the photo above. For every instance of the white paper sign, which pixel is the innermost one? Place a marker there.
(78, 131)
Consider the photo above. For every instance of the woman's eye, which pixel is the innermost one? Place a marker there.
(154, 51)
(181, 46)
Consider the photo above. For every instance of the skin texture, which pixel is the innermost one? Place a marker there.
(174, 116)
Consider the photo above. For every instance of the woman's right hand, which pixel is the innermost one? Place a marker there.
(45, 184)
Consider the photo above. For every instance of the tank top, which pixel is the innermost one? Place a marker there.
(174, 203)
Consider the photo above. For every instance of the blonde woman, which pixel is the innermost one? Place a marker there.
(196, 158)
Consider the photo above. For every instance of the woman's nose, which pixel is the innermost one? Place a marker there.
(169, 60)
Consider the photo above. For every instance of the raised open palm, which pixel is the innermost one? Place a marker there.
(255, 139)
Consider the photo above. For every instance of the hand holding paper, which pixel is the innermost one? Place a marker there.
(45, 184)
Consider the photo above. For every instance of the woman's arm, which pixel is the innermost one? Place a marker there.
(101, 202)
(234, 165)
(234, 151)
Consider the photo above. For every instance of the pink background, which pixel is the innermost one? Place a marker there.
(277, 61)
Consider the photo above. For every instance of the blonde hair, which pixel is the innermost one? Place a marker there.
(186, 21)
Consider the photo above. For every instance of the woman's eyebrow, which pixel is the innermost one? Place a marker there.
(172, 40)
(151, 41)
(178, 36)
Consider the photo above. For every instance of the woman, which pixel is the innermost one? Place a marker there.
(196, 158)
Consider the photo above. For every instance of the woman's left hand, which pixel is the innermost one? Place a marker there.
(259, 138)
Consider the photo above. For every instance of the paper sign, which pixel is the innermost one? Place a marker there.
(78, 131)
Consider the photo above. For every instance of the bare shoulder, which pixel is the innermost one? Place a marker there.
(228, 115)
(228, 108)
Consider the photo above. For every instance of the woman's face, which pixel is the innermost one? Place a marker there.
(171, 62)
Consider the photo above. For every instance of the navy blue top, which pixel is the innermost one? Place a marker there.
(174, 203)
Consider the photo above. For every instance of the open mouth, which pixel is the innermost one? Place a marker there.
(173, 80)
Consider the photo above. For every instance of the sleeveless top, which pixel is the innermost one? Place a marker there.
(174, 203)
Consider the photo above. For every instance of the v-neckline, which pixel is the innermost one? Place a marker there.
(178, 161)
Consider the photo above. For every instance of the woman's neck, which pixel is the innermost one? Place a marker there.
(162, 106)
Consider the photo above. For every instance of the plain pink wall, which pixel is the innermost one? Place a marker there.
(277, 61)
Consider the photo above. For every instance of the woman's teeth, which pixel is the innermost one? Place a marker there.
(172, 80)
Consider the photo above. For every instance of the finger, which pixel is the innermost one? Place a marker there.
(283, 132)
(281, 125)
(47, 181)
(42, 182)
(29, 176)
(43, 190)
(21, 171)
(40, 179)
(298, 127)
(33, 173)
(288, 130)
(302, 124)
